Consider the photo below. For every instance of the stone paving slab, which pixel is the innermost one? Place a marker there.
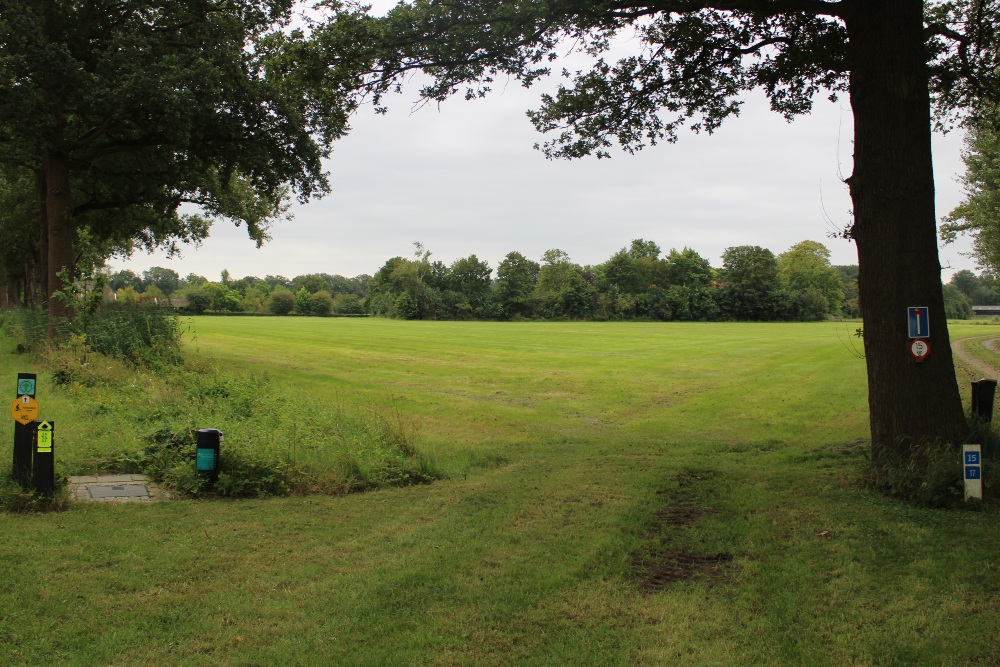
(114, 489)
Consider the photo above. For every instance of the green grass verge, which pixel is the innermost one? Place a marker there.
(655, 494)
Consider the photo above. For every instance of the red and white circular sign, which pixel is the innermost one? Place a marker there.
(919, 349)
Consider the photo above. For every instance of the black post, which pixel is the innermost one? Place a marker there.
(23, 434)
(983, 392)
(43, 469)
(207, 453)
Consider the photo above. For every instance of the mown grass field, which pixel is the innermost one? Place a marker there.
(617, 494)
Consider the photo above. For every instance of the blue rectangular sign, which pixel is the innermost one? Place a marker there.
(972, 458)
(973, 472)
(919, 323)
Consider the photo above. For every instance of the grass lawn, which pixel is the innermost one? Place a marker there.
(655, 494)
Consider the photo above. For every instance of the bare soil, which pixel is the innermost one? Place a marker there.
(669, 561)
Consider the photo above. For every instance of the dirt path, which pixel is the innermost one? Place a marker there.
(975, 363)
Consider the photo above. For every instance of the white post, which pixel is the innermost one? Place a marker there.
(972, 463)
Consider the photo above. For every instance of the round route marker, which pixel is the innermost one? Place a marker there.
(919, 349)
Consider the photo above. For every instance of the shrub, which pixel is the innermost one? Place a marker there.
(321, 303)
(27, 327)
(142, 334)
(405, 307)
(348, 304)
(302, 302)
(243, 475)
(281, 302)
(198, 300)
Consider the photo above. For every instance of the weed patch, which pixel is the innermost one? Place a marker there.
(14, 499)
(277, 442)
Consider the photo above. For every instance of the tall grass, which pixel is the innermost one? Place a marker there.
(276, 442)
(141, 334)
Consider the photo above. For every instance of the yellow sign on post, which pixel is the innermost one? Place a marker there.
(24, 409)
(44, 437)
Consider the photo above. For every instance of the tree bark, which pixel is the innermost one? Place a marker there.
(892, 189)
(42, 269)
(8, 290)
(59, 214)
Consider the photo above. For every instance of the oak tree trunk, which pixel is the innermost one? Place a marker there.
(59, 214)
(42, 269)
(892, 189)
(9, 289)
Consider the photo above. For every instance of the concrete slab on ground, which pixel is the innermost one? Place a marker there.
(114, 489)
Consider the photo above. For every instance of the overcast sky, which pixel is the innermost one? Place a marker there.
(464, 179)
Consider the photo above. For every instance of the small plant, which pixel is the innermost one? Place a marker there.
(27, 327)
(243, 476)
(928, 474)
(15, 499)
(185, 479)
(982, 433)
(166, 449)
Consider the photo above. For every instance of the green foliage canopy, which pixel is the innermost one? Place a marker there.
(979, 214)
(130, 109)
(806, 267)
(752, 287)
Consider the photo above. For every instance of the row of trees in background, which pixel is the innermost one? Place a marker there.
(637, 282)
(634, 283)
(966, 289)
(313, 294)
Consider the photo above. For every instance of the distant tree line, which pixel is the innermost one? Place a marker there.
(636, 283)
(317, 294)
(966, 289)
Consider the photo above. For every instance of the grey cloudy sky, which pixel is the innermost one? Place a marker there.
(463, 179)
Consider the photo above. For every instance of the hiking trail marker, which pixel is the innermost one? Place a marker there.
(43, 468)
(24, 409)
(972, 464)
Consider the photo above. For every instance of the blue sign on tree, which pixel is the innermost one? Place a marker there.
(919, 323)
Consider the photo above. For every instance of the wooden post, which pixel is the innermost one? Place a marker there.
(23, 434)
(43, 469)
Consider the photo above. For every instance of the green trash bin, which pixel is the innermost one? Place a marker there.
(208, 441)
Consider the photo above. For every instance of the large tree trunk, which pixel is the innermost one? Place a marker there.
(895, 228)
(9, 288)
(42, 268)
(59, 213)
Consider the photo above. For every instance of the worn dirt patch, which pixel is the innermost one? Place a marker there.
(681, 515)
(674, 566)
(670, 560)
